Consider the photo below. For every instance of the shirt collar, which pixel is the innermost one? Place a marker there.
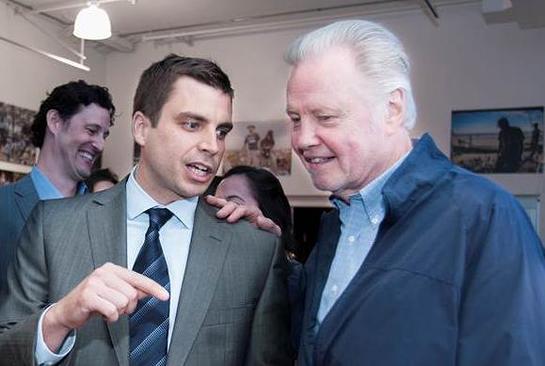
(46, 189)
(138, 201)
(371, 195)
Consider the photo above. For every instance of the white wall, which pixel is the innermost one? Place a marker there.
(26, 76)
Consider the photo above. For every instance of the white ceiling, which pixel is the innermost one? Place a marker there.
(158, 17)
(152, 15)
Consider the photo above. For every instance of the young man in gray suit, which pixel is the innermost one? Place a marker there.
(69, 128)
(211, 293)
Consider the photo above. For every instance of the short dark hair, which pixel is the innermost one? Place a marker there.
(99, 176)
(156, 82)
(67, 100)
(271, 199)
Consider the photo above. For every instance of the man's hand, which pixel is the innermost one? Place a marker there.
(109, 291)
(232, 212)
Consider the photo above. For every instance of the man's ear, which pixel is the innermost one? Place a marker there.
(396, 110)
(140, 127)
(54, 121)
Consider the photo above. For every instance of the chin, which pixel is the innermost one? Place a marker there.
(322, 186)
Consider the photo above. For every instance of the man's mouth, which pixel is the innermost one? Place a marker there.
(87, 156)
(199, 169)
(318, 160)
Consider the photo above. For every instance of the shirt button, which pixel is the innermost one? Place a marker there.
(334, 289)
(351, 239)
(375, 220)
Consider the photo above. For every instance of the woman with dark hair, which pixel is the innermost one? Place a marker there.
(256, 187)
(246, 185)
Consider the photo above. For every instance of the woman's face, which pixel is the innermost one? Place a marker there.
(236, 188)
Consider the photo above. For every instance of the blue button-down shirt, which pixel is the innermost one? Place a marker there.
(360, 221)
(45, 189)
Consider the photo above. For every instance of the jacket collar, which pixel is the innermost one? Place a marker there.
(416, 176)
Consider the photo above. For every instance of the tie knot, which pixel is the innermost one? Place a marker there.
(158, 217)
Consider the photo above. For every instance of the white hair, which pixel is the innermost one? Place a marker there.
(378, 52)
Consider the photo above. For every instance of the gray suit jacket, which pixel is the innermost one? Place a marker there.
(233, 304)
(16, 202)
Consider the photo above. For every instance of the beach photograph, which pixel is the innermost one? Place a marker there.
(498, 140)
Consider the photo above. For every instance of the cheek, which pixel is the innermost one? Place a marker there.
(294, 139)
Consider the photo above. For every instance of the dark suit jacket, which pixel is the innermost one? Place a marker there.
(233, 304)
(16, 202)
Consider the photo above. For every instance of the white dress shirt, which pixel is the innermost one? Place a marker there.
(175, 236)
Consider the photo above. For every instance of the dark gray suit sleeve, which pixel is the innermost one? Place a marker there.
(26, 295)
(270, 338)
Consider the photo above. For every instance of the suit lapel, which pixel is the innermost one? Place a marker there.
(108, 232)
(209, 246)
(25, 196)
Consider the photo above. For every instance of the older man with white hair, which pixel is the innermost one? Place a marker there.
(421, 263)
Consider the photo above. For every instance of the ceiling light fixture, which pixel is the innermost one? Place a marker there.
(92, 23)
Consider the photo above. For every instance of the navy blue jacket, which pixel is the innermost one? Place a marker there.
(456, 276)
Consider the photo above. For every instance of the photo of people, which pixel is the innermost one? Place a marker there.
(264, 145)
(7, 177)
(499, 140)
(15, 144)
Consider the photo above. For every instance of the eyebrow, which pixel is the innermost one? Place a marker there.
(96, 125)
(228, 198)
(201, 118)
(193, 115)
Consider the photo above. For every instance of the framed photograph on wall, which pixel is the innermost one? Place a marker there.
(498, 140)
(17, 153)
(259, 144)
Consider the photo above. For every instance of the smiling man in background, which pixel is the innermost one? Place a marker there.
(69, 128)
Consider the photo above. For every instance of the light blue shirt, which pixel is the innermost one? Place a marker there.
(175, 237)
(360, 221)
(45, 189)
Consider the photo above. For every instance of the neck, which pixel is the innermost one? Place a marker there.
(51, 167)
(397, 147)
(141, 175)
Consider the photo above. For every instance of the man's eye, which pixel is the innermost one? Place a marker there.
(295, 120)
(222, 133)
(191, 125)
(324, 117)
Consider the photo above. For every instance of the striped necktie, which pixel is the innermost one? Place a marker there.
(148, 324)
